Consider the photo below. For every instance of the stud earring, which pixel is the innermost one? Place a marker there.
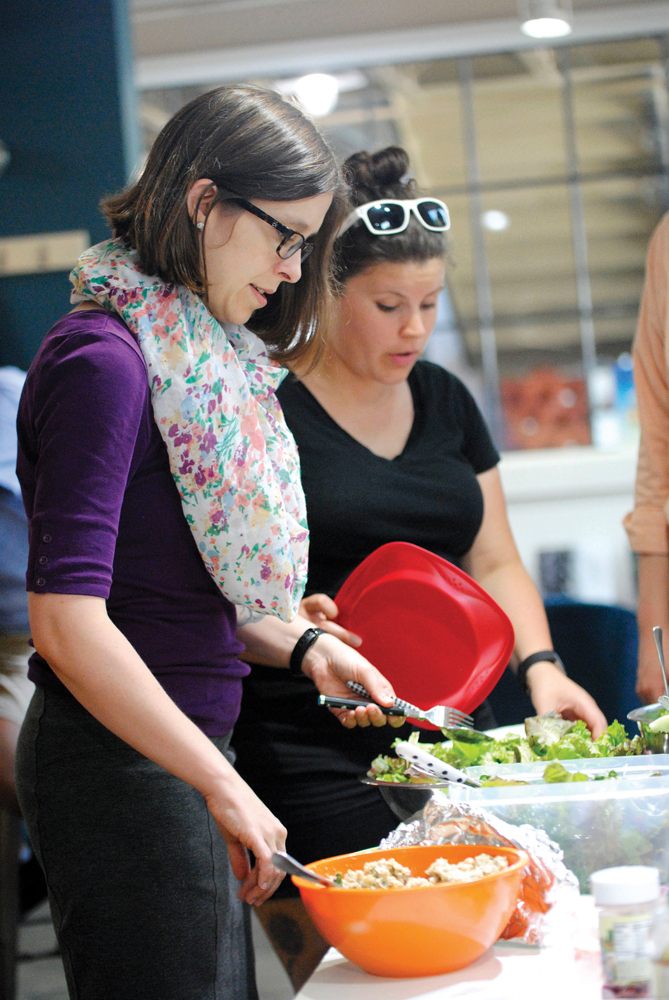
(200, 225)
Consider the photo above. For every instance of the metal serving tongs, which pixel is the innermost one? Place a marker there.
(663, 700)
(441, 715)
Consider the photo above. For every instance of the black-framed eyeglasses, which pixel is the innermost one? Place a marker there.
(291, 241)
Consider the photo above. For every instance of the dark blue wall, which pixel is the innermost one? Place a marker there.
(67, 118)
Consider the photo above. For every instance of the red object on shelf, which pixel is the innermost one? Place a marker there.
(545, 409)
(437, 636)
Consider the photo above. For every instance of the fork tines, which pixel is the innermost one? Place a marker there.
(464, 720)
(449, 718)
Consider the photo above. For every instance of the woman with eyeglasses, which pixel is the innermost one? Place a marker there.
(392, 448)
(167, 532)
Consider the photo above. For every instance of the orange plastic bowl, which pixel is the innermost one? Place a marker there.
(425, 931)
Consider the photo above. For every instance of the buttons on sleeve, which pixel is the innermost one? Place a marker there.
(43, 560)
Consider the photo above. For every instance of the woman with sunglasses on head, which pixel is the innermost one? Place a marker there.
(392, 449)
(165, 508)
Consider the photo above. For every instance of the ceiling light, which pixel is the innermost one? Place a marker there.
(495, 221)
(317, 93)
(545, 18)
(305, 88)
(353, 79)
(546, 27)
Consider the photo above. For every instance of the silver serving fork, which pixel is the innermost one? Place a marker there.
(441, 715)
(657, 636)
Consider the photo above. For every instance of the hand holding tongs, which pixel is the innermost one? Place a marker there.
(441, 715)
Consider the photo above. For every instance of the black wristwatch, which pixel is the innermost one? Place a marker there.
(305, 642)
(547, 654)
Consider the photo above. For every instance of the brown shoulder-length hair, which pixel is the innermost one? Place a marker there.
(255, 144)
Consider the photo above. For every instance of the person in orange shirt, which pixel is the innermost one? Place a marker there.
(648, 524)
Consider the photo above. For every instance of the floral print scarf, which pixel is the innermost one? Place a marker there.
(233, 459)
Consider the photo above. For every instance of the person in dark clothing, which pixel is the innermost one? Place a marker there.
(392, 448)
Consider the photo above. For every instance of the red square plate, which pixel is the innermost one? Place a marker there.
(437, 636)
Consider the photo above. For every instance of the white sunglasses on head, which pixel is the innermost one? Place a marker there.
(388, 216)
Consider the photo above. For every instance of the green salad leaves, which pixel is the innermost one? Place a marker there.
(554, 774)
(547, 737)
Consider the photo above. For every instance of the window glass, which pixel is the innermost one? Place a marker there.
(620, 215)
(619, 100)
(460, 270)
(527, 214)
(531, 261)
(428, 111)
(518, 118)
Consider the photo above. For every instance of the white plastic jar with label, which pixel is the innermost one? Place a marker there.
(627, 899)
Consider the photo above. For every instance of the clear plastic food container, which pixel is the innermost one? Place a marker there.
(598, 824)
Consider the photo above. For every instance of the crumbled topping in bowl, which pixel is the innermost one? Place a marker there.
(467, 870)
(389, 874)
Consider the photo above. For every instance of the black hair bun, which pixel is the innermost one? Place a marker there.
(374, 177)
(379, 175)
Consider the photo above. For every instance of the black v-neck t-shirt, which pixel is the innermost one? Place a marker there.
(294, 754)
(357, 501)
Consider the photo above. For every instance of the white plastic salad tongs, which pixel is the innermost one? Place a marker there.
(428, 763)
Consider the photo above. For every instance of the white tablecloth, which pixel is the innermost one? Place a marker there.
(568, 968)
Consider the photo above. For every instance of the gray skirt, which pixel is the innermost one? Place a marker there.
(142, 895)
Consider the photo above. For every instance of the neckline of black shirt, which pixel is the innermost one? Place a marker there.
(416, 426)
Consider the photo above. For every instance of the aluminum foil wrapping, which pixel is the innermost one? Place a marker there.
(546, 878)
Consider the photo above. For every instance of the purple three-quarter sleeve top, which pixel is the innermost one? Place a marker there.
(106, 519)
